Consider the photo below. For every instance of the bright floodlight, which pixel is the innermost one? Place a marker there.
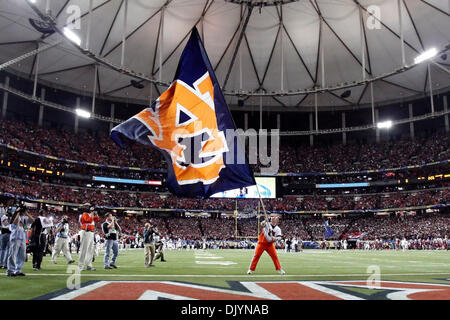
(32, 1)
(426, 55)
(384, 124)
(72, 36)
(83, 113)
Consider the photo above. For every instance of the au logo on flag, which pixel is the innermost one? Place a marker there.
(183, 123)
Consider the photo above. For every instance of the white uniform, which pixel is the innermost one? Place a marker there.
(86, 247)
(62, 243)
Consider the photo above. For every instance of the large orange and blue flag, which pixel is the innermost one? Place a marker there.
(189, 123)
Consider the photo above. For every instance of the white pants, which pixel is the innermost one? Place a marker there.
(86, 249)
(61, 244)
(96, 248)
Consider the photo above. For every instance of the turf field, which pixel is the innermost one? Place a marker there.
(226, 268)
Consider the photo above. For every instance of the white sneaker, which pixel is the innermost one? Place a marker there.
(281, 271)
(249, 271)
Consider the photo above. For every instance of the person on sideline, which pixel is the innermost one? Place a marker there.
(62, 241)
(87, 221)
(149, 245)
(4, 237)
(266, 242)
(17, 246)
(110, 229)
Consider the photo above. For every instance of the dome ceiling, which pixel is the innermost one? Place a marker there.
(255, 46)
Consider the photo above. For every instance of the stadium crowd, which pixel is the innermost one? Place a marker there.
(389, 154)
(110, 198)
(363, 228)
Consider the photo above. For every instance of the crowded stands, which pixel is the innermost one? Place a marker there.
(109, 198)
(388, 154)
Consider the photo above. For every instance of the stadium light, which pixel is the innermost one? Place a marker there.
(384, 124)
(430, 53)
(32, 1)
(72, 36)
(83, 113)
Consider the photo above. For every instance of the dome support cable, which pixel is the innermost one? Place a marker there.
(89, 25)
(241, 35)
(430, 82)
(161, 45)
(282, 49)
(363, 45)
(124, 34)
(36, 72)
(316, 113)
(402, 40)
(29, 54)
(372, 103)
(94, 89)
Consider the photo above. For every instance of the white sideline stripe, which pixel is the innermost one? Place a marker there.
(399, 294)
(315, 286)
(257, 294)
(257, 289)
(393, 281)
(403, 294)
(233, 276)
(154, 295)
(78, 292)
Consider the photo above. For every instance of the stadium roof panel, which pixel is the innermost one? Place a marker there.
(280, 46)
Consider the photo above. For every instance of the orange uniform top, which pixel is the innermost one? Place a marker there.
(87, 222)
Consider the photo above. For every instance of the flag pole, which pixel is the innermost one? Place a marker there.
(266, 217)
(235, 220)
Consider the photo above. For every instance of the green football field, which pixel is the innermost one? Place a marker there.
(218, 268)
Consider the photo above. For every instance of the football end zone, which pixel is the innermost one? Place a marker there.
(254, 290)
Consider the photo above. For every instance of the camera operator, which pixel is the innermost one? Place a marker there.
(87, 232)
(17, 244)
(110, 229)
(159, 246)
(62, 241)
(4, 237)
(38, 241)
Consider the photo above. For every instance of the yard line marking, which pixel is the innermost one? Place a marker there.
(233, 276)
(222, 263)
(208, 255)
(336, 293)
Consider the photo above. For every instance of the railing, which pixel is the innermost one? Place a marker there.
(373, 126)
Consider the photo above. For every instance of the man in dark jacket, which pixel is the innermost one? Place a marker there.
(38, 239)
